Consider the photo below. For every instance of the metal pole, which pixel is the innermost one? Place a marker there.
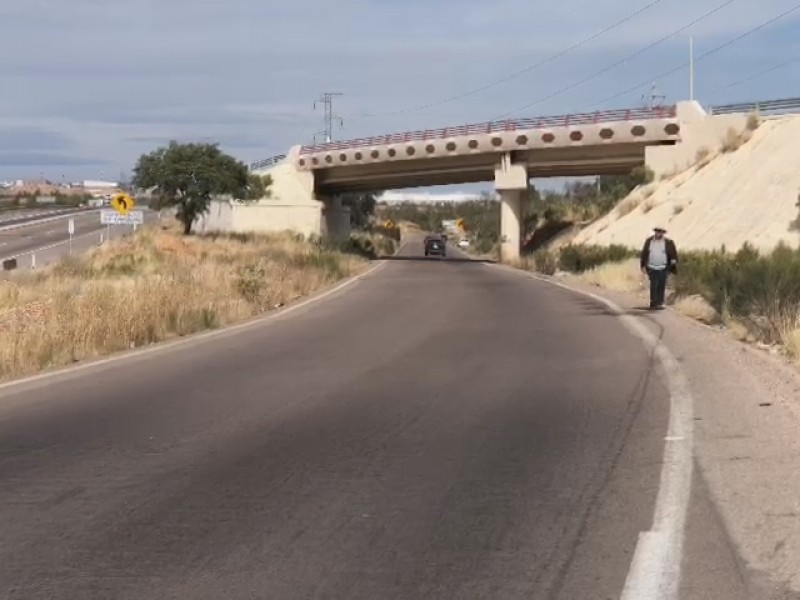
(691, 68)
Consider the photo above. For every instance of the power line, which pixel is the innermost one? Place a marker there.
(758, 74)
(702, 56)
(619, 62)
(516, 74)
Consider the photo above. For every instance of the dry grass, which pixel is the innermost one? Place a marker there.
(753, 121)
(649, 205)
(152, 287)
(734, 140)
(622, 276)
(737, 329)
(703, 157)
(628, 205)
(792, 344)
(697, 308)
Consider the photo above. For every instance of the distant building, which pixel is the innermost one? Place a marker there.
(100, 189)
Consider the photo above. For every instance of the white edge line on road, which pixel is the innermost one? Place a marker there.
(69, 371)
(55, 245)
(655, 570)
(35, 222)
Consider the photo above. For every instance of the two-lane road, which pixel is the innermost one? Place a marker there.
(440, 429)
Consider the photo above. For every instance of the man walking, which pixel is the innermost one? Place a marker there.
(659, 258)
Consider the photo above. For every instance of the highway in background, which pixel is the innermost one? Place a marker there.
(439, 429)
(49, 238)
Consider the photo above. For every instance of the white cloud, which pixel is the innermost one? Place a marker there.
(109, 78)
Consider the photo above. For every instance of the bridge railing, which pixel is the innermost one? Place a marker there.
(627, 114)
(267, 162)
(766, 106)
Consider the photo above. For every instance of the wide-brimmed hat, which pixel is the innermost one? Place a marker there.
(659, 228)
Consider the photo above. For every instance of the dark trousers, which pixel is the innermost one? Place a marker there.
(658, 286)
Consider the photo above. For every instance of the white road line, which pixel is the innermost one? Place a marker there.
(55, 245)
(655, 571)
(76, 215)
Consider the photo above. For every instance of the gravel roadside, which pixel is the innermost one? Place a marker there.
(747, 437)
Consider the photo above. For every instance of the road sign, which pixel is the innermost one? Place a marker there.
(71, 227)
(112, 217)
(122, 203)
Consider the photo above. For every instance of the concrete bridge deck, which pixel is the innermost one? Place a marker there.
(580, 144)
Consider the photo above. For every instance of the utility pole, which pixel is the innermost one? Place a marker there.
(691, 68)
(327, 101)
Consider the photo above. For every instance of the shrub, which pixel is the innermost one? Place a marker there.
(545, 262)
(760, 291)
(753, 121)
(734, 140)
(578, 259)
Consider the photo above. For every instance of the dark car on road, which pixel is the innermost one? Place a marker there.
(435, 246)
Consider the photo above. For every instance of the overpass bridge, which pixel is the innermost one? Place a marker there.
(580, 144)
(308, 179)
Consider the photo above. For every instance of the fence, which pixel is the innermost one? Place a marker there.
(625, 114)
(267, 162)
(767, 106)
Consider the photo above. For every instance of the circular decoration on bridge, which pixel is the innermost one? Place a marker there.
(302, 162)
(575, 136)
(548, 138)
(522, 140)
(374, 154)
(672, 129)
(430, 148)
(473, 144)
(315, 160)
(637, 130)
(359, 156)
(606, 133)
(343, 157)
(392, 152)
(411, 150)
(450, 147)
(328, 158)
(496, 141)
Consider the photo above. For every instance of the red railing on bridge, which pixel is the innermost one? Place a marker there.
(608, 116)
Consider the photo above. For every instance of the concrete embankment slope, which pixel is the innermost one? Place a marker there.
(747, 194)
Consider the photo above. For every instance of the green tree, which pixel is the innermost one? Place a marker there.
(258, 187)
(188, 176)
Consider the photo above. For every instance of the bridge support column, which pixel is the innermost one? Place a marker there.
(336, 218)
(510, 224)
(511, 183)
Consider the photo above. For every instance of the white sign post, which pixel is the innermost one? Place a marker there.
(71, 231)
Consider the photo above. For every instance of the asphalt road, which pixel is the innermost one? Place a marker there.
(25, 215)
(441, 429)
(49, 238)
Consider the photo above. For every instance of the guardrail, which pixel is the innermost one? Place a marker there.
(267, 162)
(767, 106)
(608, 116)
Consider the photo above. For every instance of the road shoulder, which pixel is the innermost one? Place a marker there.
(747, 419)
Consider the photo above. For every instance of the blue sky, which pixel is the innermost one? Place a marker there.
(89, 85)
